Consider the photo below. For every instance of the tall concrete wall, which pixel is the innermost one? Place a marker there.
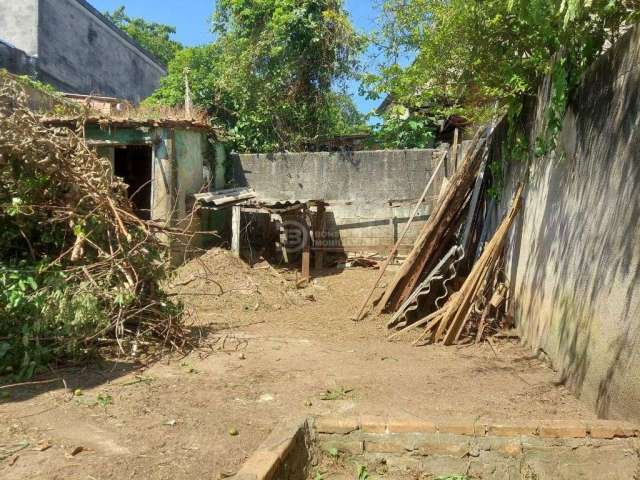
(574, 257)
(78, 50)
(370, 194)
(19, 24)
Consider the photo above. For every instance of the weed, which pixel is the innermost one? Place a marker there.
(104, 400)
(363, 473)
(189, 368)
(333, 452)
(339, 393)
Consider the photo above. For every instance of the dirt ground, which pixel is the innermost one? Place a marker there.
(271, 355)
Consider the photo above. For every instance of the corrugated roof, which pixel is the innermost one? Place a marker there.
(224, 198)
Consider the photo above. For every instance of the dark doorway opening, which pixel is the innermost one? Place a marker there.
(133, 165)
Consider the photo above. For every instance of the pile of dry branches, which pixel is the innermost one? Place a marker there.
(77, 267)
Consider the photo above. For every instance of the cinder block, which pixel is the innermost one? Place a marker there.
(341, 425)
(448, 446)
(612, 429)
(411, 425)
(386, 445)
(262, 465)
(529, 429)
(353, 447)
(459, 426)
(373, 424)
(563, 429)
(509, 449)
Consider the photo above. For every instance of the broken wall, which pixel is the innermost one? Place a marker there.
(371, 194)
(574, 256)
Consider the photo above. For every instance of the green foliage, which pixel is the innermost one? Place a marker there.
(362, 473)
(104, 400)
(155, 37)
(333, 452)
(270, 77)
(76, 265)
(413, 130)
(472, 53)
(338, 393)
(43, 317)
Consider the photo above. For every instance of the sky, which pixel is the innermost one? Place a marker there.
(191, 19)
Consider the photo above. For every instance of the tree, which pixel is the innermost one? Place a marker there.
(155, 37)
(478, 54)
(272, 74)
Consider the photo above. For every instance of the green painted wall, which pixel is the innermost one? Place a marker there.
(119, 136)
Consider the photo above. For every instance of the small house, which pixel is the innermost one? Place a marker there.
(164, 162)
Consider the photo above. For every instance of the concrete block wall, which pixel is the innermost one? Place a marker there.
(574, 254)
(408, 447)
(371, 194)
(78, 50)
(513, 453)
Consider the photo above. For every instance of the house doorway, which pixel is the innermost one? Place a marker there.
(133, 164)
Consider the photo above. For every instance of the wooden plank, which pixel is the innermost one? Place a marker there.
(236, 216)
(473, 207)
(306, 263)
(436, 232)
(306, 255)
(318, 232)
(480, 271)
(454, 150)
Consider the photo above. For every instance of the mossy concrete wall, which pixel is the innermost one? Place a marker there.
(574, 255)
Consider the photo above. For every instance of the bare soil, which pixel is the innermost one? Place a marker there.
(273, 352)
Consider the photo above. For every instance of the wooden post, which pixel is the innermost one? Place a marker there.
(454, 150)
(318, 232)
(236, 216)
(306, 254)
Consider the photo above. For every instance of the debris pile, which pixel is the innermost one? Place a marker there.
(77, 267)
(221, 283)
(451, 285)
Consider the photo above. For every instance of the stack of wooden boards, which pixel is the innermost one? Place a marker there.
(448, 323)
(470, 312)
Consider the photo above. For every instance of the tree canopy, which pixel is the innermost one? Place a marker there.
(273, 75)
(155, 37)
(473, 53)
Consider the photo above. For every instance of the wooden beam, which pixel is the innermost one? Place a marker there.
(236, 217)
(436, 232)
(318, 232)
(454, 150)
